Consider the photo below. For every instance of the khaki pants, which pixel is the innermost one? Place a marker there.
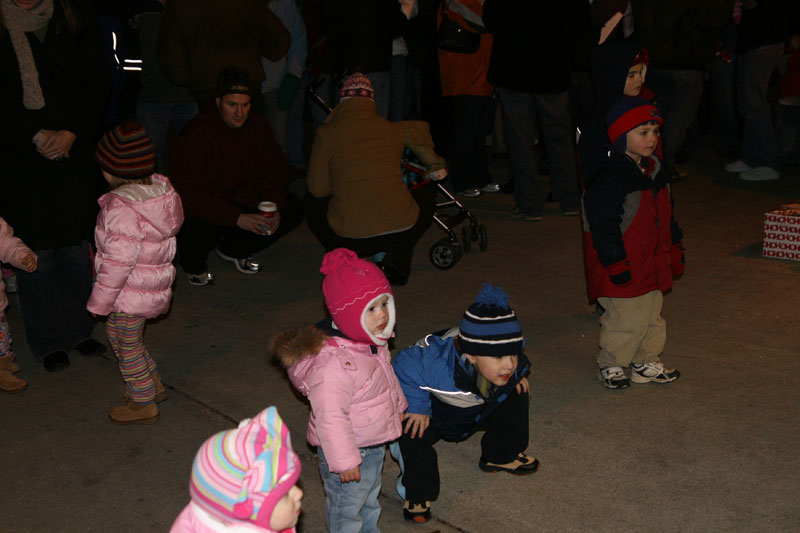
(631, 330)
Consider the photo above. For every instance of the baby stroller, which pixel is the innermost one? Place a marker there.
(449, 212)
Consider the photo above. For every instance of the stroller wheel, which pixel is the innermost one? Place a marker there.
(445, 254)
(466, 239)
(483, 242)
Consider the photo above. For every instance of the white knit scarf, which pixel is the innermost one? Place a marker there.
(18, 21)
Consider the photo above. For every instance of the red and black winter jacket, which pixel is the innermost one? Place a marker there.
(628, 225)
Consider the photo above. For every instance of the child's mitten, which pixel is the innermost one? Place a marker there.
(678, 258)
(620, 273)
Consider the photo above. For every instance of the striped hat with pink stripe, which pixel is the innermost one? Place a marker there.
(126, 152)
(239, 475)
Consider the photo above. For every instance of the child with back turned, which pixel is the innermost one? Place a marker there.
(342, 365)
(470, 379)
(632, 247)
(135, 237)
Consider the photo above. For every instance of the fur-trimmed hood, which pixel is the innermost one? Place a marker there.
(293, 345)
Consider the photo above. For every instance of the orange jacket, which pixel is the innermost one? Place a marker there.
(465, 74)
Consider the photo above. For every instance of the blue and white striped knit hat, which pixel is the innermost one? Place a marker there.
(489, 326)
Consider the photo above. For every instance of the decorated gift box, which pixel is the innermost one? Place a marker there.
(782, 233)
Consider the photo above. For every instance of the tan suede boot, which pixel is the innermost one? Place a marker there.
(134, 413)
(11, 383)
(161, 392)
(8, 363)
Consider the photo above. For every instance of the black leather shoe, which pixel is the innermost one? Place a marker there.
(56, 361)
(91, 347)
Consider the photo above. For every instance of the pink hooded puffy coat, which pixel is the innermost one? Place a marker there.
(135, 238)
(11, 251)
(356, 400)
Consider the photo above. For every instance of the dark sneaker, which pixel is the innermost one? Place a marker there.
(55, 361)
(523, 465)
(91, 347)
(613, 377)
(516, 213)
(419, 512)
(202, 279)
(248, 265)
(653, 373)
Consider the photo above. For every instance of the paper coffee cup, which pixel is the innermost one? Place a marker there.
(268, 210)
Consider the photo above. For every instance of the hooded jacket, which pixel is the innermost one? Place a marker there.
(12, 249)
(355, 398)
(135, 238)
(627, 216)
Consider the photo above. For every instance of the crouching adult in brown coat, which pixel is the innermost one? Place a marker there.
(357, 198)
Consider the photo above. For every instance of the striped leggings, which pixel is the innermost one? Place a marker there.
(125, 334)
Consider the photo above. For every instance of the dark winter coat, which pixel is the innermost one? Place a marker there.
(534, 42)
(52, 204)
(627, 216)
(361, 32)
(221, 172)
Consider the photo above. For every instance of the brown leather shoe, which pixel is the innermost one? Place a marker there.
(524, 464)
(11, 383)
(135, 413)
(9, 363)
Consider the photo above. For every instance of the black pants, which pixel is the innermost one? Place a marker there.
(199, 236)
(472, 120)
(505, 437)
(398, 247)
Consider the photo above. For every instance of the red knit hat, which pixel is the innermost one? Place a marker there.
(357, 85)
(350, 286)
(627, 113)
(126, 152)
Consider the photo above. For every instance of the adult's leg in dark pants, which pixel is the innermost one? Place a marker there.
(472, 121)
(507, 430)
(399, 247)
(519, 119)
(678, 92)
(197, 237)
(559, 138)
(240, 244)
(421, 474)
(53, 299)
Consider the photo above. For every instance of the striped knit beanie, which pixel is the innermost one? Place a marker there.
(350, 286)
(239, 475)
(126, 152)
(357, 85)
(489, 326)
(627, 113)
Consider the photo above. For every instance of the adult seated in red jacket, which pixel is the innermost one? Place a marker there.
(223, 165)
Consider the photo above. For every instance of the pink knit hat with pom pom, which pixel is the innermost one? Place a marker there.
(350, 286)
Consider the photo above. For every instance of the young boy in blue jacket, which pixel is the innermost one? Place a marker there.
(469, 379)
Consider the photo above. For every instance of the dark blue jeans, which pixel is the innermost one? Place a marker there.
(155, 119)
(754, 68)
(53, 299)
(678, 95)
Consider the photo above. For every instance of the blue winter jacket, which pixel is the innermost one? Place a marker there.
(436, 383)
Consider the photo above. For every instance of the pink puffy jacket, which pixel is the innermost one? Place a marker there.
(356, 400)
(11, 251)
(135, 238)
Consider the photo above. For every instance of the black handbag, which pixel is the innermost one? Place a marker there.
(454, 37)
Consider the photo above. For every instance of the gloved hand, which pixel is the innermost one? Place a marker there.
(286, 91)
(620, 273)
(678, 257)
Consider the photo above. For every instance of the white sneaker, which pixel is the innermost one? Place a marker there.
(653, 373)
(737, 166)
(613, 377)
(760, 174)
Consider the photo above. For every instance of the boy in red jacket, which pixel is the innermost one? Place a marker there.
(632, 247)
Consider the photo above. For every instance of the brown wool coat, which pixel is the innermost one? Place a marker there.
(356, 160)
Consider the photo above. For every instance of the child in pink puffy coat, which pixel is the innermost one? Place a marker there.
(135, 238)
(343, 367)
(13, 251)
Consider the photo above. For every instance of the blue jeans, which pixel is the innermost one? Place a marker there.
(678, 93)
(521, 112)
(759, 144)
(353, 507)
(155, 119)
(53, 299)
(278, 118)
(382, 85)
